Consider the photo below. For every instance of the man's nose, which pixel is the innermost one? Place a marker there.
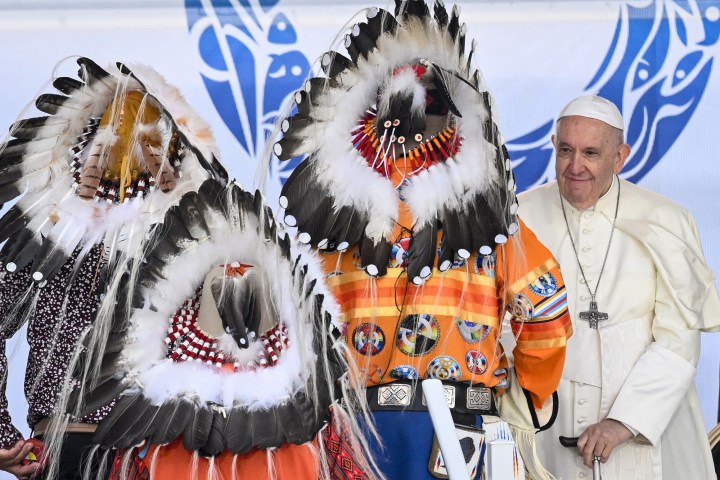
(577, 164)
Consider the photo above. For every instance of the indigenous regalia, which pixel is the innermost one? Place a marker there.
(407, 192)
(117, 148)
(229, 359)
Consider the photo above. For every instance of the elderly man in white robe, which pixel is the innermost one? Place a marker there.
(639, 293)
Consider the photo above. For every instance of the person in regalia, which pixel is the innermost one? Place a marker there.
(407, 192)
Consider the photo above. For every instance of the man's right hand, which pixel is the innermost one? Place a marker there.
(10, 460)
(600, 439)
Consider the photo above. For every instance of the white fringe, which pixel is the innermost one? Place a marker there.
(54, 436)
(125, 464)
(88, 467)
(195, 465)
(234, 467)
(212, 471)
(270, 459)
(153, 460)
(525, 443)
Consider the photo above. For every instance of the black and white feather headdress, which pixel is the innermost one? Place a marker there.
(116, 148)
(234, 341)
(377, 106)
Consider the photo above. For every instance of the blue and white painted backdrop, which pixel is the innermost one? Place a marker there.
(237, 60)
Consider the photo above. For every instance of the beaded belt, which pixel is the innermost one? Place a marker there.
(406, 395)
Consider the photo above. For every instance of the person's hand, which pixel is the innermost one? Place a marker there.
(10, 461)
(600, 439)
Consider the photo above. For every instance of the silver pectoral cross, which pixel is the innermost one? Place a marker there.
(593, 316)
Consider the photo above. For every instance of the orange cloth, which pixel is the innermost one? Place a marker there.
(542, 335)
(290, 462)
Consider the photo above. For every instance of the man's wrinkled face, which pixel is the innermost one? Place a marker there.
(588, 153)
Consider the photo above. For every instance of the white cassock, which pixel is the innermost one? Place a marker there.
(638, 367)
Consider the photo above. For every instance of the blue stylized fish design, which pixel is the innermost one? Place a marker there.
(656, 71)
(249, 63)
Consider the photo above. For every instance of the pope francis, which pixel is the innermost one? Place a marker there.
(639, 294)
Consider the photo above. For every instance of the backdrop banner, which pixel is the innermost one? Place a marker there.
(237, 61)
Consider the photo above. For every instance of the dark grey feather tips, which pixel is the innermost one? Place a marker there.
(408, 8)
(131, 404)
(477, 227)
(67, 85)
(195, 434)
(49, 259)
(310, 207)
(215, 443)
(39, 127)
(12, 222)
(31, 153)
(193, 220)
(171, 420)
(50, 102)
(374, 256)
(440, 14)
(421, 255)
(103, 394)
(19, 250)
(91, 72)
(334, 63)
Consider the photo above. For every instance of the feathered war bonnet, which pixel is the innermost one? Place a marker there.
(408, 95)
(234, 341)
(117, 147)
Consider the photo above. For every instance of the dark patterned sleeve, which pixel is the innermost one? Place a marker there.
(12, 286)
(8, 433)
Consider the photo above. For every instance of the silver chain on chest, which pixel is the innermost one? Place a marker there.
(593, 304)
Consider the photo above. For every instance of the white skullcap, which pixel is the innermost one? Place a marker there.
(593, 106)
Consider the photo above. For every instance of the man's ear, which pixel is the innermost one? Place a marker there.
(622, 155)
(552, 137)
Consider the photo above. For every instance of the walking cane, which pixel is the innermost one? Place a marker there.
(572, 442)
